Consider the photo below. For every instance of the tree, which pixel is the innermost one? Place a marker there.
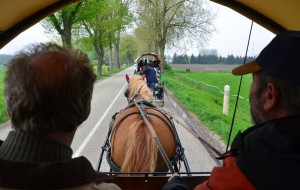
(97, 26)
(101, 21)
(62, 21)
(168, 22)
(128, 49)
(123, 18)
(193, 59)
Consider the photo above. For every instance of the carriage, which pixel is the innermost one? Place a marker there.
(142, 143)
(276, 17)
(156, 63)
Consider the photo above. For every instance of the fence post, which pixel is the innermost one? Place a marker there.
(226, 99)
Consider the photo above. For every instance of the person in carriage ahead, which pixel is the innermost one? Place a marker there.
(266, 155)
(48, 91)
(140, 66)
(151, 77)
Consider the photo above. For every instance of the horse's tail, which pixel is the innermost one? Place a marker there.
(141, 153)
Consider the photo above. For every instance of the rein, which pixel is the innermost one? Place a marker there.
(238, 93)
(160, 148)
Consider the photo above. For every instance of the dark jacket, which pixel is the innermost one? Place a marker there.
(265, 156)
(269, 154)
(150, 75)
(30, 162)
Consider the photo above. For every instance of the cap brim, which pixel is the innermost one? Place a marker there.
(251, 67)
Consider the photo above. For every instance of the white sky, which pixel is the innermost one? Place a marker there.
(233, 32)
(230, 38)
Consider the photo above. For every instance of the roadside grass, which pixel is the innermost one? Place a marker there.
(202, 94)
(3, 113)
(106, 73)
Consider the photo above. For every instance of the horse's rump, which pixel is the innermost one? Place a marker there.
(121, 130)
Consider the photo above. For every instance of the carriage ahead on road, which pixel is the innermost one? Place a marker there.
(155, 62)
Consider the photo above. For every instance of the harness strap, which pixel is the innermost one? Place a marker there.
(192, 131)
(160, 148)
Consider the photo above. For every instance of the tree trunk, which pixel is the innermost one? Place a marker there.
(100, 56)
(100, 64)
(117, 57)
(162, 54)
(67, 33)
(110, 58)
(99, 68)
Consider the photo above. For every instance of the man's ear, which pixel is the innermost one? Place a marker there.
(271, 97)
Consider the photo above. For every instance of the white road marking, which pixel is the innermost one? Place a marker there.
(86, 140)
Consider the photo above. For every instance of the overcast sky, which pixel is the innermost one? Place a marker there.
(230, 38)
(233, 32)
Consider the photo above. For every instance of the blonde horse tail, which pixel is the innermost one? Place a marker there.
(141, 150)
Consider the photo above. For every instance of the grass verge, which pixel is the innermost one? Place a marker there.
(202, 94)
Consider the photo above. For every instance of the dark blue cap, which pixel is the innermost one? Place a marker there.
(281, 57)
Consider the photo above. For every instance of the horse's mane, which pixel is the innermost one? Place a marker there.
(141, 150)
(137, 86)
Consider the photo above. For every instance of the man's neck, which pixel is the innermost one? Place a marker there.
(20, 146)
(63, 137)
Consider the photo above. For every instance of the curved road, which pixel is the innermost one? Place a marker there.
(108, 98)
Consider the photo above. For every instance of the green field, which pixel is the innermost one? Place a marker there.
(202, 94)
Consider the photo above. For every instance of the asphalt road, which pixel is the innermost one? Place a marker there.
(108, 98)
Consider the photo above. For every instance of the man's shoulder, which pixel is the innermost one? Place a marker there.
(57, 174)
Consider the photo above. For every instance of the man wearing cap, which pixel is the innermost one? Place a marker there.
(267, 155)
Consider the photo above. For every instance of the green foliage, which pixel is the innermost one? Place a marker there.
(172, 22)
(60, 24)
(167, 67)
(201, 93)
(106, 72)
(128, 49)
(100, 27)
(3, 113)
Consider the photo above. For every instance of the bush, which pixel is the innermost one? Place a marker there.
(167, 67)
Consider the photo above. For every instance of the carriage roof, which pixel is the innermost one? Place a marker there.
(17, 16)
(275, 16)
(157, 58)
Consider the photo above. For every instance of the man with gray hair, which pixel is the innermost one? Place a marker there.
(48, 92)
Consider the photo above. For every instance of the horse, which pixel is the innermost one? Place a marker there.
(132, 147)
(138, 89)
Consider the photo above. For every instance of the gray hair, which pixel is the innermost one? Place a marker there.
(289, 93)
(48, 88)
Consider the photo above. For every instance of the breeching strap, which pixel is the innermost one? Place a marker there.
(160, 148)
